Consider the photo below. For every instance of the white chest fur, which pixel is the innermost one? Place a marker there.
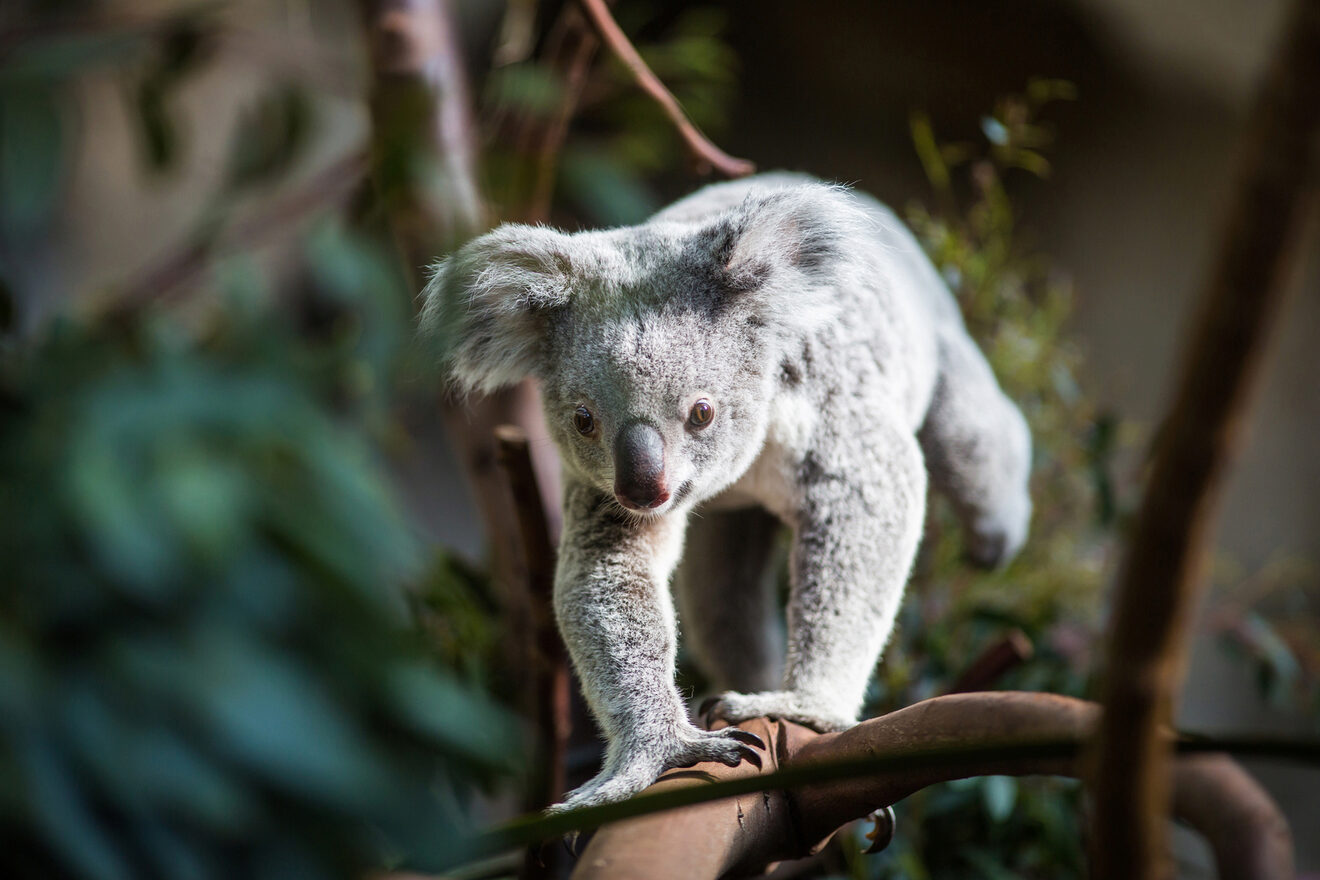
(770, 480)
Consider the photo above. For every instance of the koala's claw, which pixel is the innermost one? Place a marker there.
(747, 736)
(730, 746)
(751, 756)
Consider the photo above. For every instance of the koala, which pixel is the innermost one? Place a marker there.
(767, 352)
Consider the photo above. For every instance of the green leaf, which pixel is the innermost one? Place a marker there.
(455, 717)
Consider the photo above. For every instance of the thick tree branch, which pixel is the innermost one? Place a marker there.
(1019, 734)
(549, 670)
(705, 153)
(421, 116)
(1161, 575)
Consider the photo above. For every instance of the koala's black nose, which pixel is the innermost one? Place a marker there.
(639, 467)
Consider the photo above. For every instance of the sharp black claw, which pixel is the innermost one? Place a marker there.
(752, 756)
(746, 736)
(706, 705)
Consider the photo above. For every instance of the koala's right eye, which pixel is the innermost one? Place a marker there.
(583, 421)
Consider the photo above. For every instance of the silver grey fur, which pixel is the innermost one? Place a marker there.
(840, 372)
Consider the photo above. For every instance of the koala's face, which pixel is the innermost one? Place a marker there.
(656, 345)
(659, 407)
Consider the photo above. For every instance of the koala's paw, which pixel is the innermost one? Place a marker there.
(788, 705)
(641, 766)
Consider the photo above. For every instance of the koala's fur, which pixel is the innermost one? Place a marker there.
(841, 375)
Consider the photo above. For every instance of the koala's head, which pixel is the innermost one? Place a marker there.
(657, 346)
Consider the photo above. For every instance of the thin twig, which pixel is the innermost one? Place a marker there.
(1162, 573)
(706, 155)
(571, 49)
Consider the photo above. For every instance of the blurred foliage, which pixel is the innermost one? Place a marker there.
(205, 661)
(208, 664)
(1016, 305)
(1267, 620)
(619, 138)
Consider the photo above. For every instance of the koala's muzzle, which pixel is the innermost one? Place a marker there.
(639, 467)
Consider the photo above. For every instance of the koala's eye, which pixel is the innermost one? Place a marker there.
(583, 421)
(702, 413)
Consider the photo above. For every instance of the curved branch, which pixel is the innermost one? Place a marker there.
(706, 154)
(744, 833)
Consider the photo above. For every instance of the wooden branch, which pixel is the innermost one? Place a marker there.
(706, 155)
(1160, 578)
(744, 833)
(548, 677)
(549, 672)
(421, 113)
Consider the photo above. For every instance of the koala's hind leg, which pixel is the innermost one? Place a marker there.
(726, 599)
(978, 452)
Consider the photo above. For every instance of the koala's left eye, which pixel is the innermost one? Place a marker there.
(583, 421)
(702, 413)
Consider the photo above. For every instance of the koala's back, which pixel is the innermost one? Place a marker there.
(888, 232)
(890, 305)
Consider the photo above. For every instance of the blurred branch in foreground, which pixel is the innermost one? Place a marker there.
(1163, 570)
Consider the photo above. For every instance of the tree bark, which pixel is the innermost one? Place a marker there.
(743, 834)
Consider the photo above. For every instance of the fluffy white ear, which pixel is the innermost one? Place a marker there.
(485, 306)
(786, 247)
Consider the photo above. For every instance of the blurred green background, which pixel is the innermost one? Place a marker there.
(247, 625)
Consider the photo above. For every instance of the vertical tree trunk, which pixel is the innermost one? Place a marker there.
(1160, 579)
(424, 162)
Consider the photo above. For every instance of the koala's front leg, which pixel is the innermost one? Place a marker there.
(858, 522)
(614, 610)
